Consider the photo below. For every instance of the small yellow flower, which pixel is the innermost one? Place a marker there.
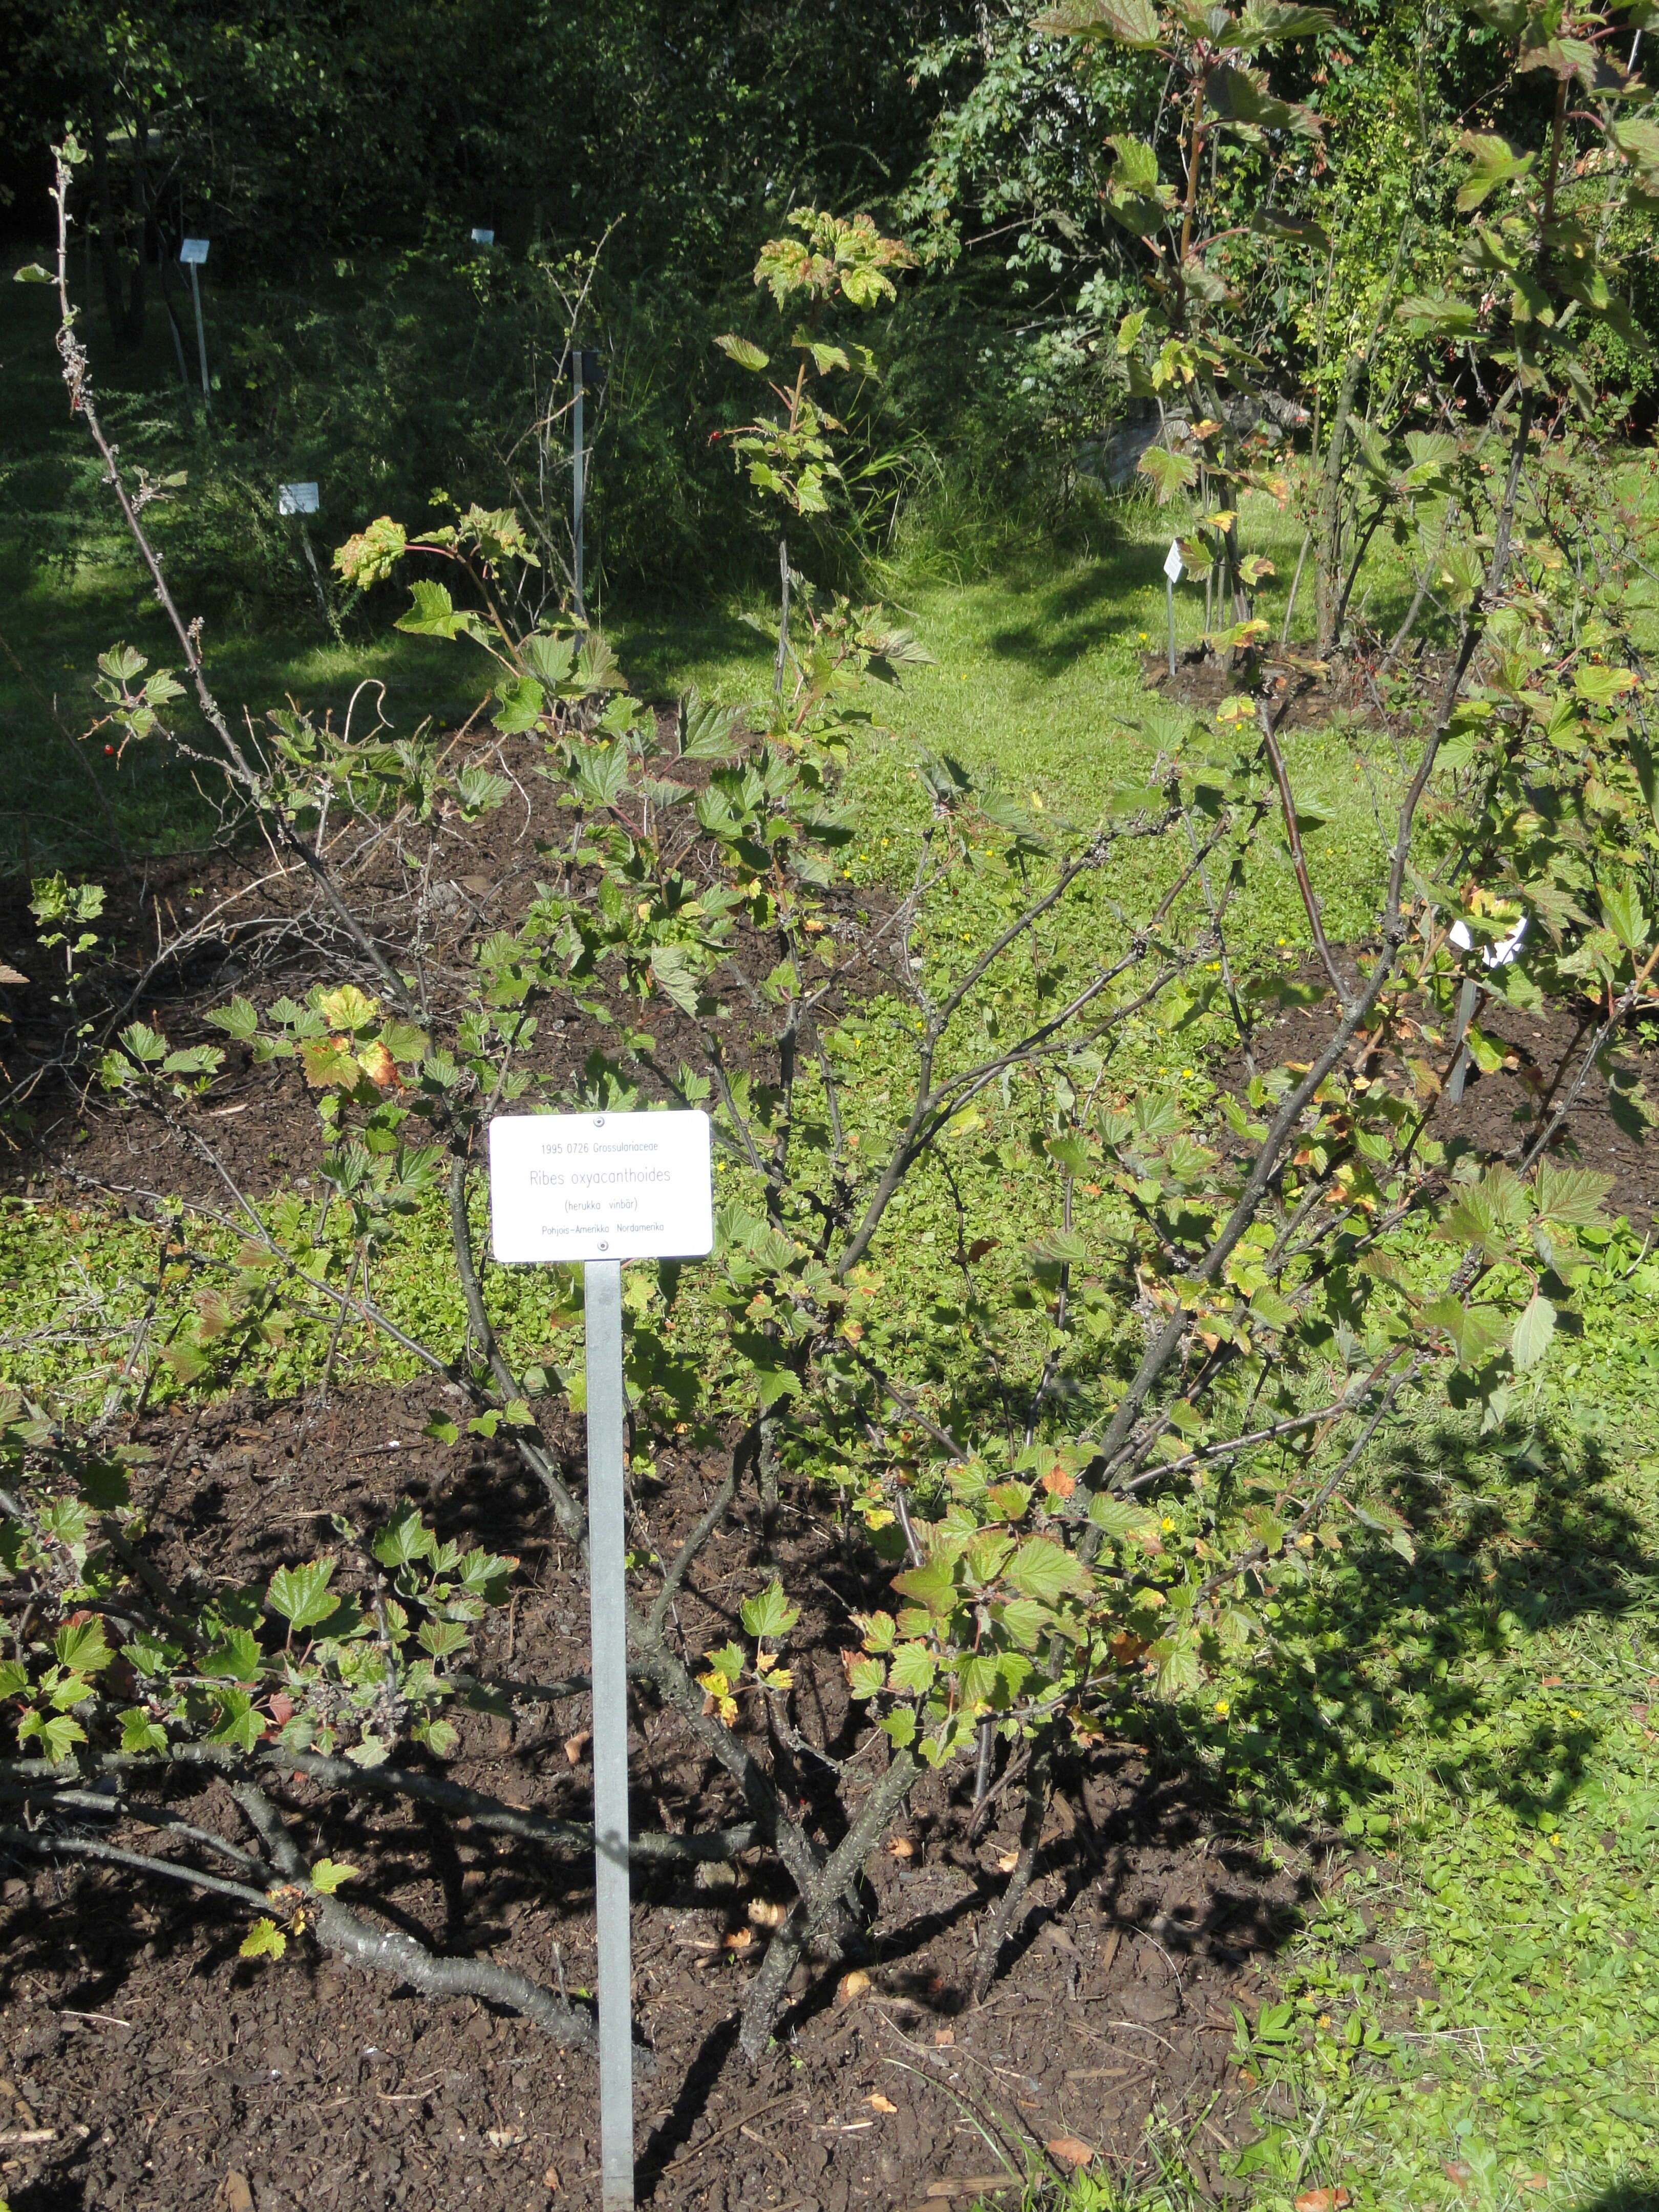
(1141, 634)
(1186, 1071)
(1572, 1715)
(1168, 1523)
(1222, 1709)
(1324, 2019)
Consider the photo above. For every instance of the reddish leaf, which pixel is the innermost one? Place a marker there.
(1072, 2149)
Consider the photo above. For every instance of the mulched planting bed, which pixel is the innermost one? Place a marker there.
(180, 935)
(1499, 1114)
(1202, 680)
(146, 2065)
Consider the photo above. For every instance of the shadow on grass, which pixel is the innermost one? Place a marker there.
(1515, 1536)
(1625, 2196)
(1089, 606)
(659, 643)
(69, 800)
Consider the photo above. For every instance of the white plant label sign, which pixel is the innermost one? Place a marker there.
(1174, 566)
(484, 238)
(1492, 956)
(297, 499)
(569, 1187)
(193, 250)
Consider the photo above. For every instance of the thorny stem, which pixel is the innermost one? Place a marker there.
(389, 1951)
(813, 1911)
(1394, 929)
(710, 1519)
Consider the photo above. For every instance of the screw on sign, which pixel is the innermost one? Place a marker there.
(597, 1189)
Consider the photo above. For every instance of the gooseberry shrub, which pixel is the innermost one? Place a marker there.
(1176, 1317)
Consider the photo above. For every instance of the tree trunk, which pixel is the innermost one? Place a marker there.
(109, 254)
(1328, 523)
(123, 303)
(137, 268)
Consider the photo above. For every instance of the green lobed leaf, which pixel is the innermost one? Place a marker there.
(743, 351)
(302, 1594)
(1571, 1196)
(406, 1538)
(770, 1612)
(1126, 22)
(1045, 1571)
(933, 1584)
(913, 1669)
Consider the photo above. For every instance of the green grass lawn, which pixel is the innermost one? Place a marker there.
(1479, 1720)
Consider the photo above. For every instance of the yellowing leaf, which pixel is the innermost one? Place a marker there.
(348, 1008)
(265, 1940)
(378, 1067)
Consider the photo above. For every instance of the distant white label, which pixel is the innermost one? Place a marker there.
(484, 238)
(297, 499)
(193, 249)
(1174, 566)
(601, 1186)
(1492, 956)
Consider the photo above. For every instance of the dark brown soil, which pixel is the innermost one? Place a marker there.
(147, 2066)
(179, 936)
(155, 2066)
(1353, 685)
(1499, 1114)
(1202, 680)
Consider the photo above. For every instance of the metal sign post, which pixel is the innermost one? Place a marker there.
(303, 499)
(608, 1635)
(600, 1188)
(193, 252)
(586, 382)
(1174, 568)
(578, 470)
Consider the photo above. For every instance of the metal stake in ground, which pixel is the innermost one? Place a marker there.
(607, 1607)
(597, 1189)
(193, 252)
(302, 500)
(578, 467)
(1174, 570)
